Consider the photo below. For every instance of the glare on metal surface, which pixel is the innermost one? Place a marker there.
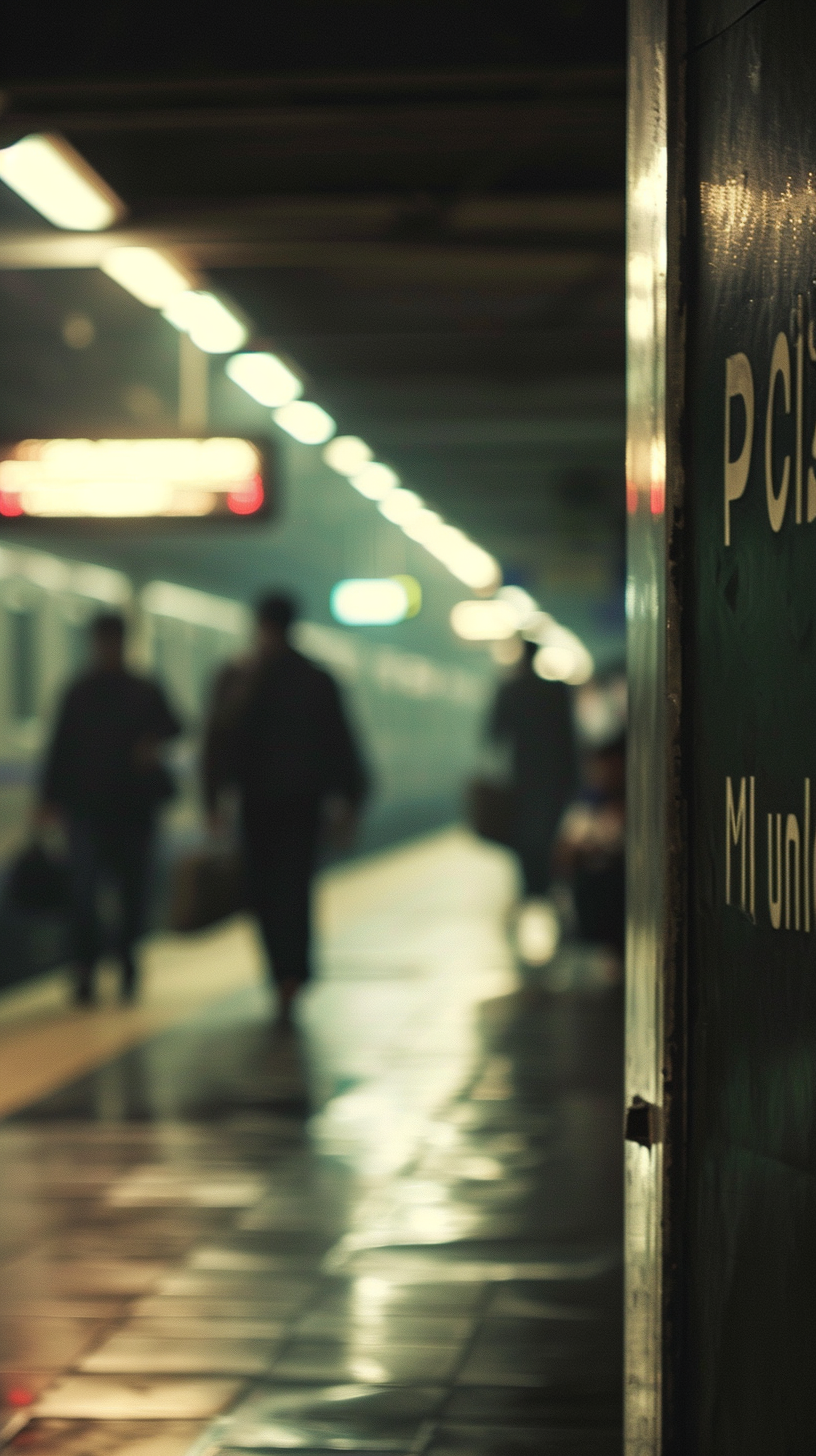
(375, 480)
(379, 601)
(207, 321)
(130, 478)
(347, 454)
(305, 421)
(50, 176)
(150, 276)
(265, 378)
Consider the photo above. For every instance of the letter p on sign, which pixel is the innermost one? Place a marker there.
(738, 381)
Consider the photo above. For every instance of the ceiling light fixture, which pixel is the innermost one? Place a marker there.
(562, 657)
(347, 454)
(55, 180)
(378, 602)
(305, 422)
(400, 505)
(148, 275)
(480, 621)
(375, 481)
(265, 378)
(526, 610)
(207, 320)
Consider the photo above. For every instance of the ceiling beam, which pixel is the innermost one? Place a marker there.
(500, 267)
(31, 96)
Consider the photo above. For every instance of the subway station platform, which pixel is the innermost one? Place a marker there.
(395, 1229)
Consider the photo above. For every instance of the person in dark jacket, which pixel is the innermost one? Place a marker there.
(278, 734)
(533, 718)
(104, 779)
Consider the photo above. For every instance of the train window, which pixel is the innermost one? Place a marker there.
(22, 665)
(76, 642)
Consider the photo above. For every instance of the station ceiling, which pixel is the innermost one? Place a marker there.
(421, 204)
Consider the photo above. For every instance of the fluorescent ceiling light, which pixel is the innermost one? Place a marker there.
(368, 603)
(207, 320)
(347, 454)
(148, 275)
(400, 505)
(51, 177)
(423, 526)
(264, 377)
(538, 626)
(481, 621)
(465, 560)
(521, 603)
(563, 657)
(305, 421)
(375, 481)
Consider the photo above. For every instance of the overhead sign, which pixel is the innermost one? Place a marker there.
(92, 479)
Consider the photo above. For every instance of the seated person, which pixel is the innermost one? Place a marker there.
(590, 848)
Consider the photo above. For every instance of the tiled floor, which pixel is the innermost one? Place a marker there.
(396, 1231)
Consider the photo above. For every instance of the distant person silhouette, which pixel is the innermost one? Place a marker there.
(533, 719)
(278, 734)
(104, 779)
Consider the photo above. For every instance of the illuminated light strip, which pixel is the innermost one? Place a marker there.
(152, 278)
(55, 180)
(305, 421)
(381, 601)
(212, 327)
(561, 655)
(265, 378)
(483, 621)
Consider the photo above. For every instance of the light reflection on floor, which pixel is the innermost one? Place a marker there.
(398, 1231)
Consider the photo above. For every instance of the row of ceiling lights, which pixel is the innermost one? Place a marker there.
(54, 179)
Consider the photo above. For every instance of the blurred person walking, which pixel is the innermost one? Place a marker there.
(278, 735)
(532, 718)
(104, 779)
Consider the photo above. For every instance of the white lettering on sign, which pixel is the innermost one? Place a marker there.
(739, 382)
(786, 389)
(791, 863)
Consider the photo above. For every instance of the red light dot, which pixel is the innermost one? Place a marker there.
(10, 504)
(18, 1395)
(245, 502)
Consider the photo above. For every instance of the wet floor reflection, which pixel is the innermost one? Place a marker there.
(397, 1230)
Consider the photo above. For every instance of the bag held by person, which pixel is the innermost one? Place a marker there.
(38, 881)
(207, 887)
